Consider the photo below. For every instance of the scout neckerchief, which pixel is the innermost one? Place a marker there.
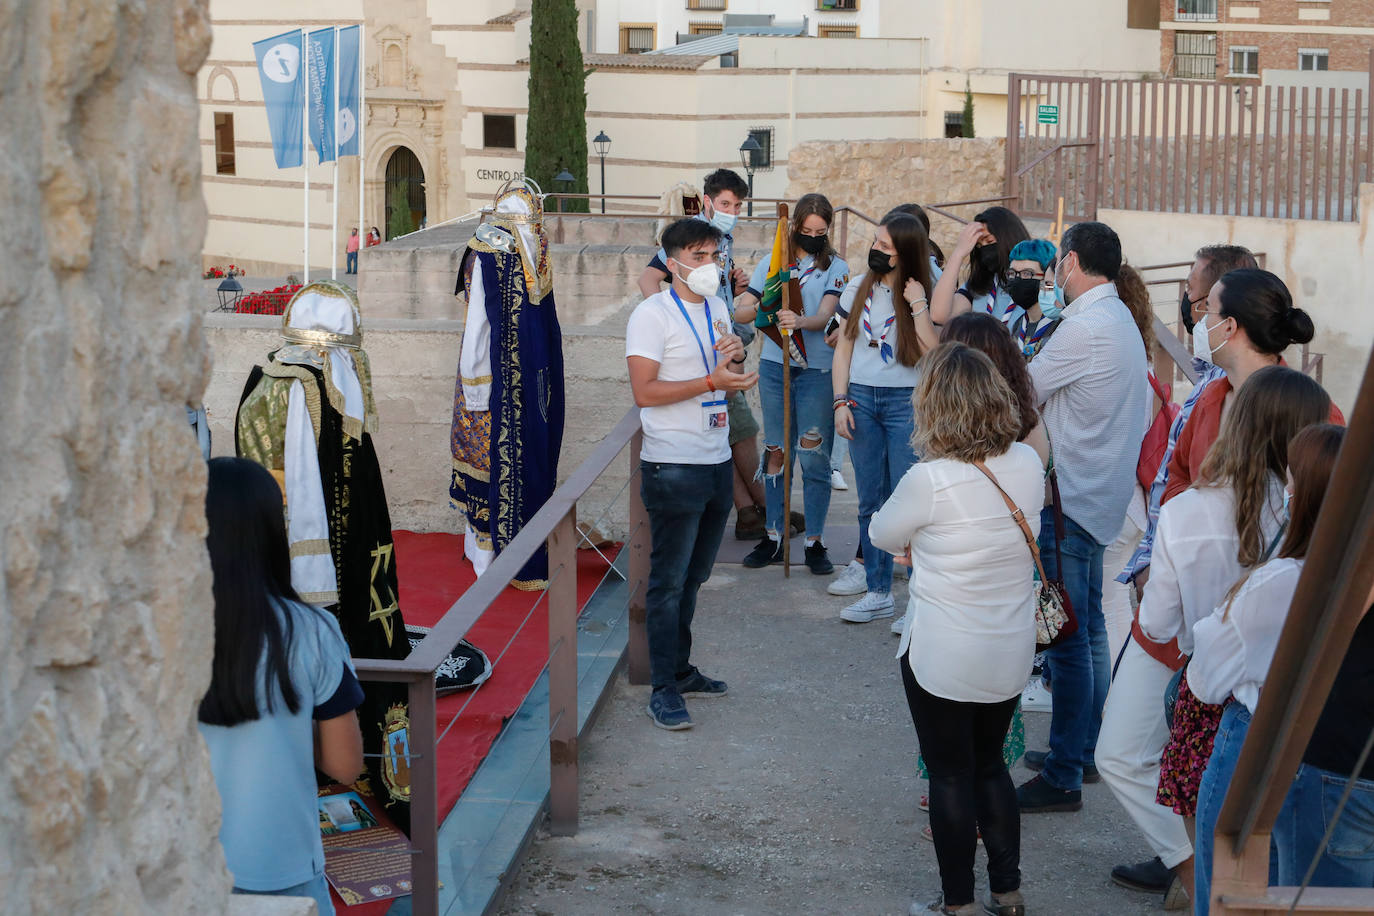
(884, 348)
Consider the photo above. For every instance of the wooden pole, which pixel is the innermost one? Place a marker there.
(786, 533)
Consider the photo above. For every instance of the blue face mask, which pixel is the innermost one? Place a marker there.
(725, 222)
(1049, 304)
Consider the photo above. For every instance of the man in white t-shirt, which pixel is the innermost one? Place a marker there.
(683, 363)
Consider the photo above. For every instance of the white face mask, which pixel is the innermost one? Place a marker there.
(1202, 341)
(703, 280)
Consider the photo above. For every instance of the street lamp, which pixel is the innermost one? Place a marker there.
(229, 291)
(747, 149)
(603, 146)
(564, 178)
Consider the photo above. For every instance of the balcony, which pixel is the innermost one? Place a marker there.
(844, 5)
(1196, 11)
(716, 5)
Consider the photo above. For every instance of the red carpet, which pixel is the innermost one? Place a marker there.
(433, 574)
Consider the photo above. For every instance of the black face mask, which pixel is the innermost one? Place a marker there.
(811, 244)
(1024, 292)
(988, 259)
(879, 261)
(1185, 311)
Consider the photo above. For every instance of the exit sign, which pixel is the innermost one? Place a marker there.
(1047, 114)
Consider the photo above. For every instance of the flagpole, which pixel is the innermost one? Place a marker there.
(305, 146)
(334, 235)
(362, 150)
(786, 410)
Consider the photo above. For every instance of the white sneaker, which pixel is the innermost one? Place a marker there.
(852, 580)
(1035, 698)
(872, 606)
(837, 480)
(899, 625)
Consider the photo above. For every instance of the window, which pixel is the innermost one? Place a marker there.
(837, 31)
(954, 124)
(224, 143)
(1195, 55)
(1196, 11)
(498, 131)
(1244, 61)
(762, 160)
(1142, 14)
(1313, 58)
(837, 4)
(706, 4)
(704, 28)
(636, 38)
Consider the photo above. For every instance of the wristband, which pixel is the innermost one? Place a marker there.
(844, 402)
(737, 362)
(710, 385)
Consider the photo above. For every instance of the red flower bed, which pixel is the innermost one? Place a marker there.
(267, 302)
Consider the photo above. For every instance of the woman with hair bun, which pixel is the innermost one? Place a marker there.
(1250, 320)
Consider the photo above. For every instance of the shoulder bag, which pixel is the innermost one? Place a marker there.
(1054, 618)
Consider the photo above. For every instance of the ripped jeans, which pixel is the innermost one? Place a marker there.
(813, 432)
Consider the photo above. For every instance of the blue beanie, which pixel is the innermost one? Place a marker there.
(1038, 250)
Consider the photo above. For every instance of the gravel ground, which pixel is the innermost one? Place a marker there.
(796, 793)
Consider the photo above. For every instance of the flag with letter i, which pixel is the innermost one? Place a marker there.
(281, 73)
(780, 273)
(320, 74)
(346, 124)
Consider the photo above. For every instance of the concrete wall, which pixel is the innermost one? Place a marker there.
(1328, 266)
(414, 367)
(106, 624)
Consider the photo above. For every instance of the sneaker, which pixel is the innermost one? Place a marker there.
(852, 580)
(1035, 698)
(1152, 877)
(1035, 761)
(667, 709)
(697, 684)
(837, 480)
(899, 625)
(1009, 904)
(872, 606)
(1037, 796)
(765, 553)
(749, 524)
(1176, 897)
(817, 560)
(938, 906)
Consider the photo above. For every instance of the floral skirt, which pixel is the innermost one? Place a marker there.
(1013, 745)
(1187, 751)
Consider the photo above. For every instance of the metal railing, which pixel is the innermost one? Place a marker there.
(554, 526)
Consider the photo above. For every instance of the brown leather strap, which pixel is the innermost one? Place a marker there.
(1019, 517)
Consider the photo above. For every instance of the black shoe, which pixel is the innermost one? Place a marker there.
(817, 560)
(697, 684)
(1151, 877)
(1035, 762)
(766, 553)
(1039, 796)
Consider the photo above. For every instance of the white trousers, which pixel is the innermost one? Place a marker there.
(1116, 598)
(1129, 747)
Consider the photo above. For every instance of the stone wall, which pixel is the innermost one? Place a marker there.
(873, 176)
(106, 799)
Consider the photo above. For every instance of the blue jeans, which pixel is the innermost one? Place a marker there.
(812, 415)
(316, 888)
(688, 505)
(1307, 811)
(1082, 663)
(351, 264)
(1216, 779)
(881, 453)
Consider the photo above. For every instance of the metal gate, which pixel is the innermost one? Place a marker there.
(1053, 132)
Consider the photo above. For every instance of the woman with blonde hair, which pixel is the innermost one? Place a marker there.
(966, 516)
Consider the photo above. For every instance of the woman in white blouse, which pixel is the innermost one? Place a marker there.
(1206, 538)
(970, 635)
(1233, 647)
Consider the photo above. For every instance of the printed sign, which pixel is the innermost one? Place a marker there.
(1047, 114)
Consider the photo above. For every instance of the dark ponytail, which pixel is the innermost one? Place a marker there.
(1261, 304)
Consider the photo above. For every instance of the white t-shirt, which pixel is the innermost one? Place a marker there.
(673, 433)
(866, 365)
(970, 624)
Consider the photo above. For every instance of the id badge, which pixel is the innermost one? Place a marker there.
(714, 416)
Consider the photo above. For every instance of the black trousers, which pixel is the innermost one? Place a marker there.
(970, 788)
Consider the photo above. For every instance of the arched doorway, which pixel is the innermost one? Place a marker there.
(405, 193)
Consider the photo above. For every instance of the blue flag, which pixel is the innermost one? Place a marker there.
(320, 73)
(346, 125)
(283, 81)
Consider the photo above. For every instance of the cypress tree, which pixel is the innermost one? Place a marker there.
(556, 131)
(400, 222)
(968, 109)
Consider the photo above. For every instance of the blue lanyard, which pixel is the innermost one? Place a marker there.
(710, 330)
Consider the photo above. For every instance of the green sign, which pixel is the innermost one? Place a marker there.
(1047, 114)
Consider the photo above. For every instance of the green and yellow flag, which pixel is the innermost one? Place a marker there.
(779, 273)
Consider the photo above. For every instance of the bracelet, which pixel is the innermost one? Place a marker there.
(710, 385)
(737, 362)
(921, 312)
(844, 402)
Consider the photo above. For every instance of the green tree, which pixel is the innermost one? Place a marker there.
(556, 132)
(968, 109)
(398, 202)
